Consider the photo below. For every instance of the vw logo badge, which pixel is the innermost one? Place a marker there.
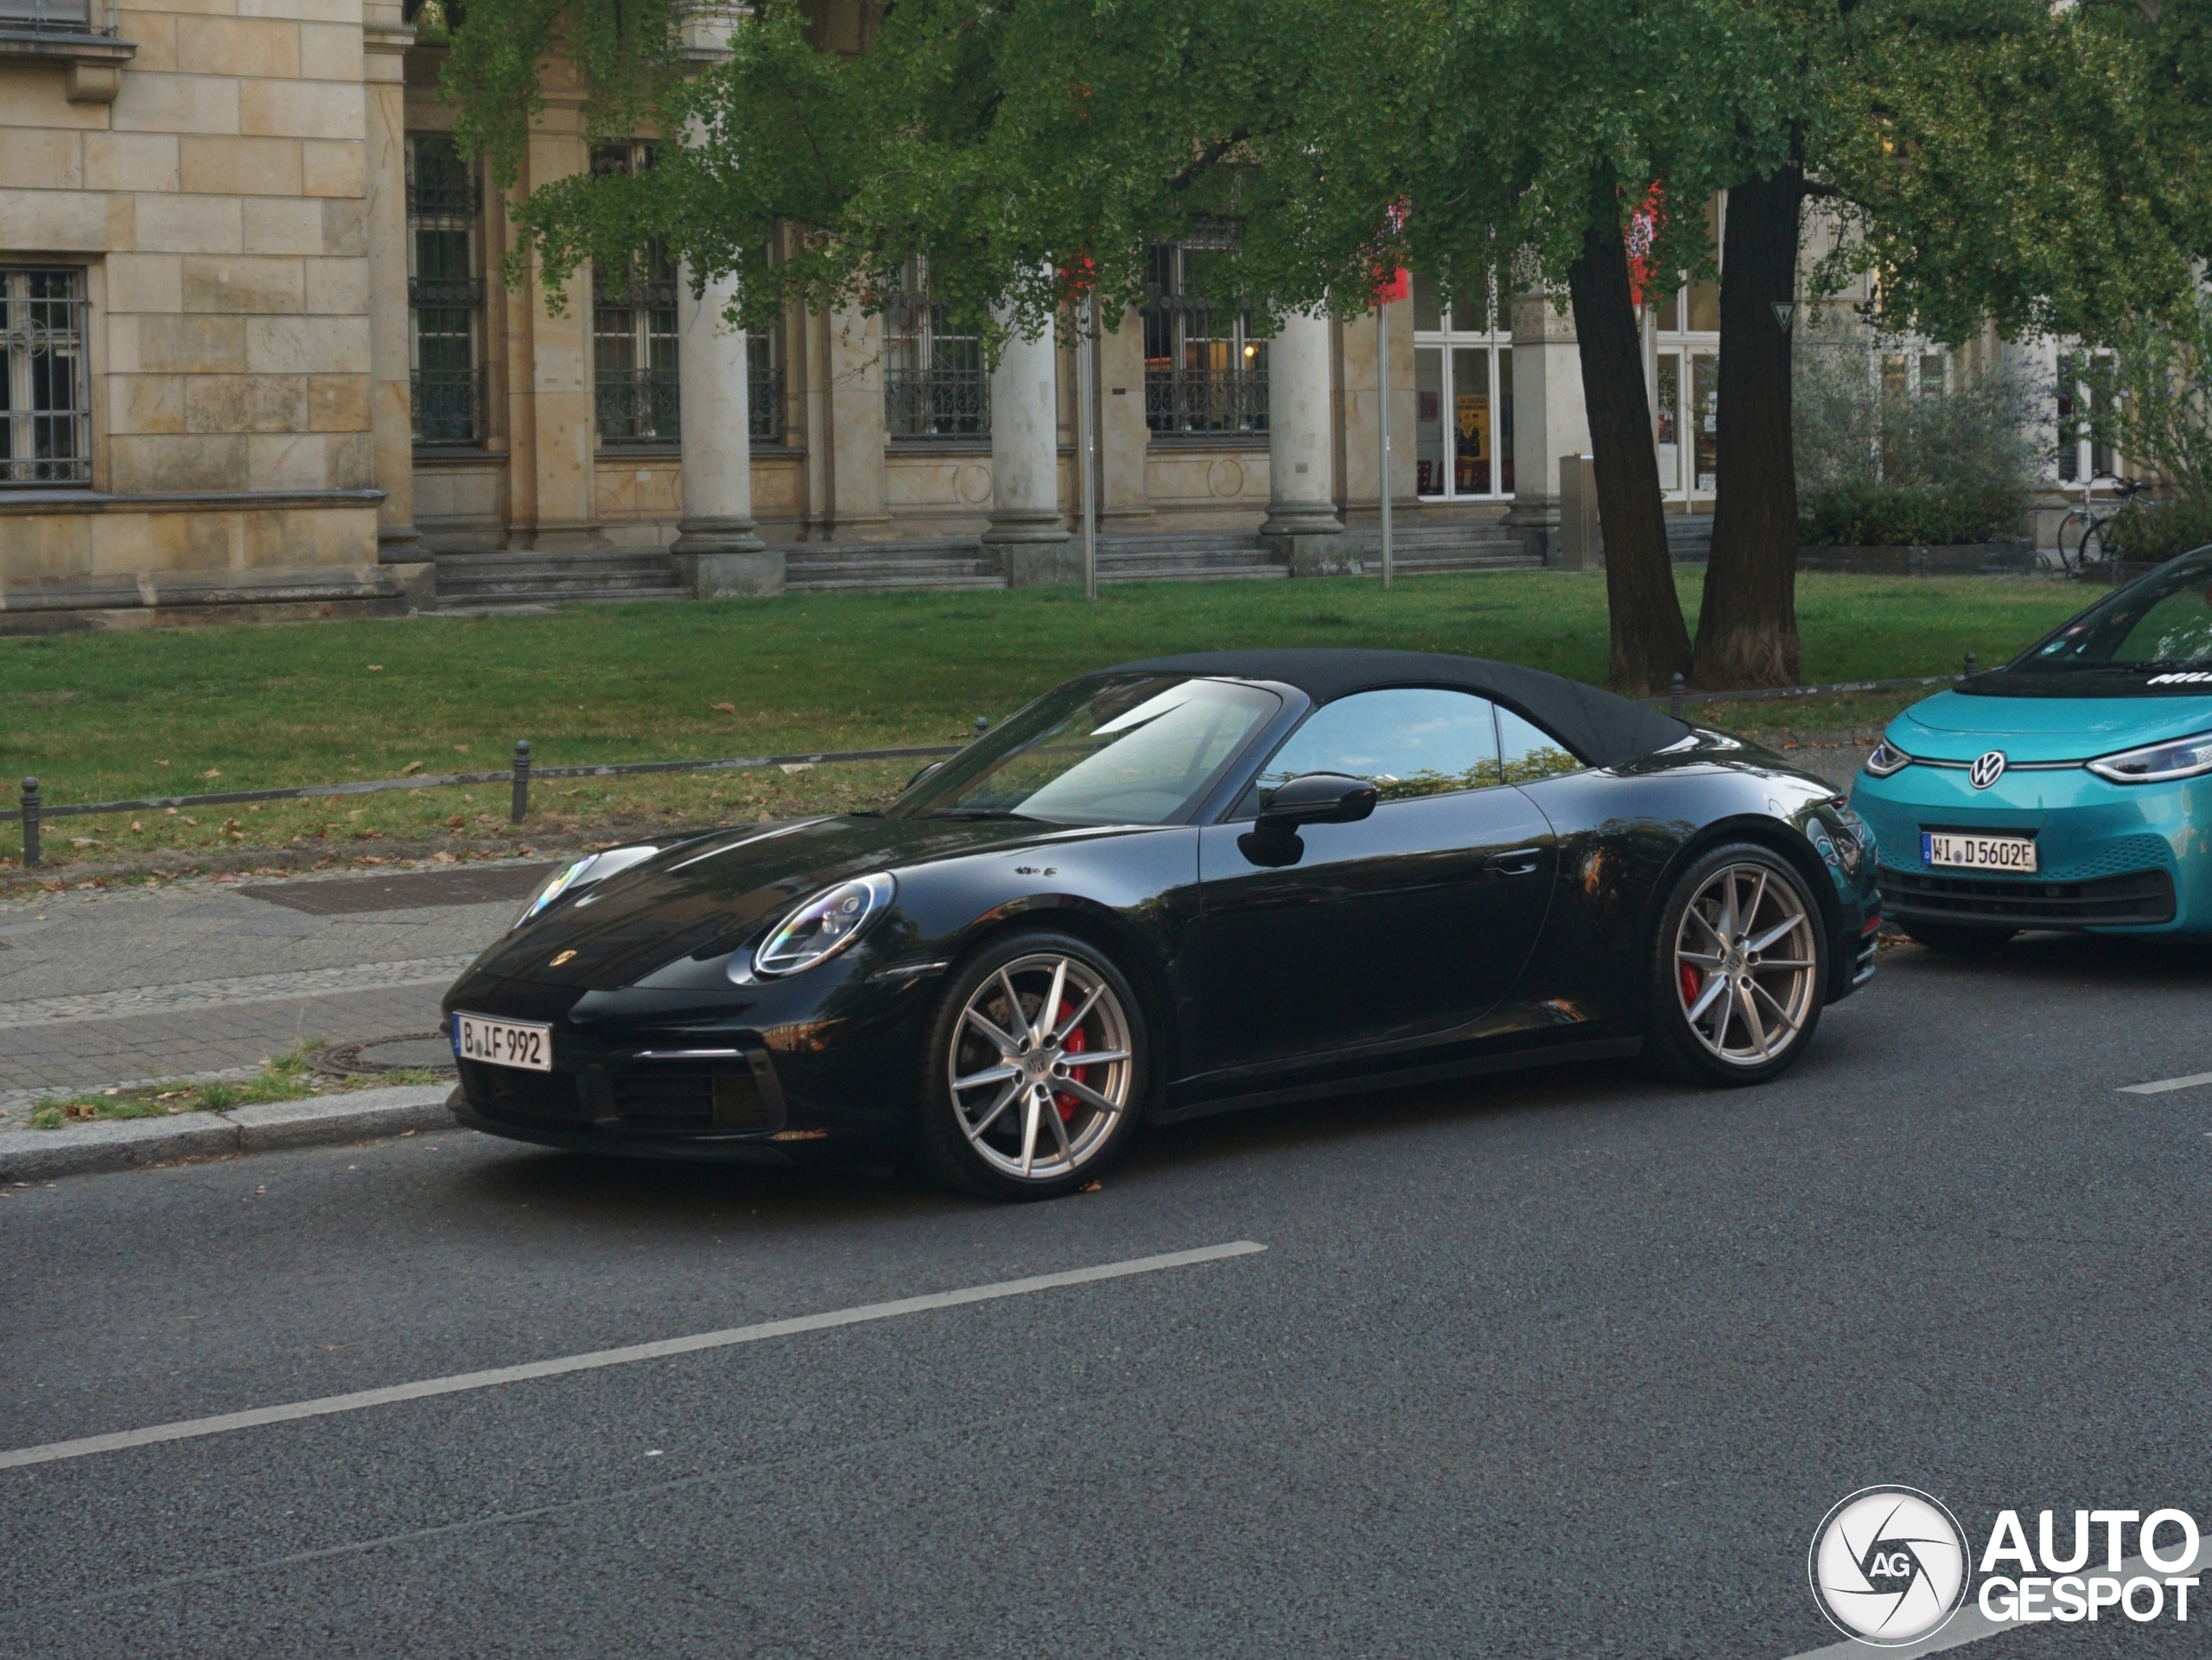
(1986, 769)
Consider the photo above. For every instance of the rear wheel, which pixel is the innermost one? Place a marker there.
(1961, 939)
(1034, 1070)
(1740, 970)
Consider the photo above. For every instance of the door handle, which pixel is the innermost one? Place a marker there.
(1520, 861)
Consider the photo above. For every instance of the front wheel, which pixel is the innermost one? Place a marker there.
(1034, 1070)
(1738, 972)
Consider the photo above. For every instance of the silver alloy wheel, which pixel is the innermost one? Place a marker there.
(1744, 962)
(1039, 1066)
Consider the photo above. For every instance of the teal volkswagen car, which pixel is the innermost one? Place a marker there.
(2071, 789)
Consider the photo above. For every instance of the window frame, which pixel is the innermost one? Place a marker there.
(457, 213)
(1173, 386)
(937, 382)
(1451, 336)
(26, 320)
(638, 404)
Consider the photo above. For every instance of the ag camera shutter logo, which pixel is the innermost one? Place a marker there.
(1888, 1566)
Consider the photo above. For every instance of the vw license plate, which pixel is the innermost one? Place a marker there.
(522, 1044)
(2012, 854)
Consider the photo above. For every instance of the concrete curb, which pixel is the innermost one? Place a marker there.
(81, 1149)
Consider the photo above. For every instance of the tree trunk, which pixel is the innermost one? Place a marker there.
(1649, 644)
(1747, 626)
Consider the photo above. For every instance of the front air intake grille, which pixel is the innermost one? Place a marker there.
(690, 1095)
(508, 1092)
(2135, 899)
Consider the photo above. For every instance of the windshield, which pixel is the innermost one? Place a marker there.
(1131, 749)
(2163, 622)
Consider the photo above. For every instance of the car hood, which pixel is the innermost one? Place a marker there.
(1951, 726)
(708, 895)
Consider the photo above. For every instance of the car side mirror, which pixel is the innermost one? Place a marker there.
(1317, 799)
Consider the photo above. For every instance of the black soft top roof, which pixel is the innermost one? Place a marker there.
(1603, 729)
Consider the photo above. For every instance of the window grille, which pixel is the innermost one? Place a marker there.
(445, 294)
(634, 332)
(1203, 373)
(764, 388)
(45, 403)
(935, 384)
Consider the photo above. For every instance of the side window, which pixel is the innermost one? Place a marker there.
(1407, 742)
(1530, 753)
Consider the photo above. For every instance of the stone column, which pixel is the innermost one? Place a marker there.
(385, 38)
(1123, 438)
(1027, 529)
(1547, 418)
(716, 547)
(1301, 527)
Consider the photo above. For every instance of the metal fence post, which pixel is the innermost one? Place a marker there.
(982, 724)
(1969, 674)
(30, 823)
(521, 780)
(1674, 696)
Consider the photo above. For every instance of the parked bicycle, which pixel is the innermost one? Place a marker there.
(2082, 545)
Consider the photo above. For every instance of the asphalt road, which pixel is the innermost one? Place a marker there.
(1567, 1363)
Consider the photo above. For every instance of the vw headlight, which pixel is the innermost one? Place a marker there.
(592, 867)
(1886, 758)
(2156, 763)
(823, 927)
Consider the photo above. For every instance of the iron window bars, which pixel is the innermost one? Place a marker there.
(1202, 373)
(636, 400)
(44, 393)
(445, 295)
(935, 384)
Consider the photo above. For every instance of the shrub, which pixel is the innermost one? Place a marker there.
(2156, 530)
(1890, 515)
(1881, 467)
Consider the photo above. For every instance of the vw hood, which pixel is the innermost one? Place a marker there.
(1952, 726)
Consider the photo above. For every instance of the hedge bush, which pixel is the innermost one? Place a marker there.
(1902, 515)
(2156, 530)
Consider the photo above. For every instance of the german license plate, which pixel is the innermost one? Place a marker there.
(522, 1044)
(2012, 854)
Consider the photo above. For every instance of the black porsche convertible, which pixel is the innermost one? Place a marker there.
(1170, 888)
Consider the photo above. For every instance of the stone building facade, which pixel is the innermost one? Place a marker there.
(258, 362)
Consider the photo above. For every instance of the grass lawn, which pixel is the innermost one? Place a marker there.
(170, 712)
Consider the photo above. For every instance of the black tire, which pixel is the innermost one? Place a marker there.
(1775, 992)
(1958, 939)
(1070, 1153)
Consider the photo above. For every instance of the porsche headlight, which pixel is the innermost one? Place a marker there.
(592, 867)
(2156, 763)
(823, 927)
(1886, 758)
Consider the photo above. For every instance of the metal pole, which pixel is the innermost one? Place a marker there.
(30, 823)
(521, 780)
(1674, 696)
(1382, 380)
(1086, 445)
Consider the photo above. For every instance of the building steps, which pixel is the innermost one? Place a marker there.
(477, 581)
(937, 562)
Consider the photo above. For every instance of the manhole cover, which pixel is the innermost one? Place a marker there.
(425, 1052)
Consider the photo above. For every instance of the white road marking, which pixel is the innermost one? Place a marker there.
(190, 1428)
(1971, 1626)
(2164, 1084)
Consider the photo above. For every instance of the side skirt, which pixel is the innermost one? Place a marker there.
(1511, 1061)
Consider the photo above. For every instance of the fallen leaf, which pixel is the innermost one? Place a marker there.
(459, 821)
(213, 771)
(135, 825)
(460, 749)
(376, 668)
(411, 769)
(188, 818)
(726, 709)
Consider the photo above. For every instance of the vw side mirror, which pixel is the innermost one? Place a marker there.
(1318, 799)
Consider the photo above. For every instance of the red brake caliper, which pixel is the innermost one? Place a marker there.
(1076, 1044)
(1693, 982)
